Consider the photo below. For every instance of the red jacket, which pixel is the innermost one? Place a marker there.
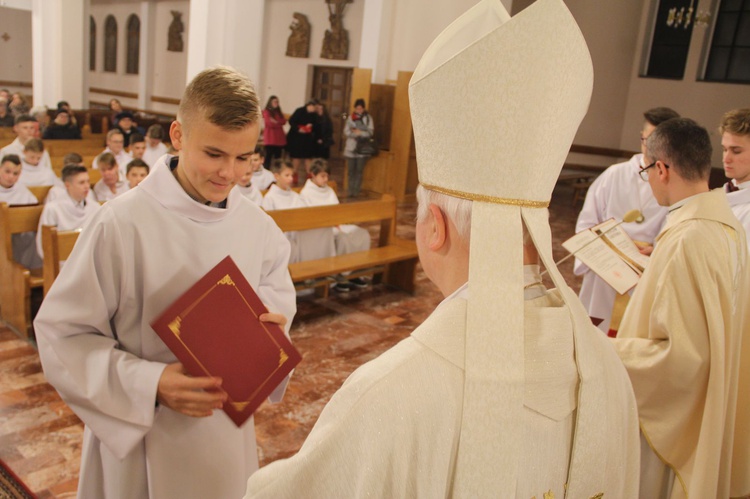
(273, 135)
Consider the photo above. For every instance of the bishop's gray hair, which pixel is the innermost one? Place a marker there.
(456, 209)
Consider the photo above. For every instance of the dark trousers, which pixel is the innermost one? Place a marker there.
(355, 168)
(272, 152)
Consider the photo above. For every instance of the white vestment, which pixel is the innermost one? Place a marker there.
(59, 191)
(24, 244)
(392, 430)
(65, 214)
(681, 340)
(262, 179)
(37, 175)
(152, 154)
(618, 190)
(104, 193)
(306, 244)
(739, 201)
(16, 147)
(122, 158)
(136, 256)
(348, 237)
(250, 193)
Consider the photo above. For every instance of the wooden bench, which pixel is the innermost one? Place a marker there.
(393, 261)
(40, 192)
(57, 246)
(16, 281)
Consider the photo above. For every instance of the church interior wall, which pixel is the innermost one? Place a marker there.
(15, 52)
(287, 77)
(170, 68)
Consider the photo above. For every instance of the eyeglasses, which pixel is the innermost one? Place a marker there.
(643, 172)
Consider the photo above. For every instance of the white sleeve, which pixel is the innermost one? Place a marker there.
(112, 390)
(592, 213)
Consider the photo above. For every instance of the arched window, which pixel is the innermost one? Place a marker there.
(92, 43)
(110, 44)
(134, 43)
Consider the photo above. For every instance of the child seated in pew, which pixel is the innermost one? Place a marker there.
(307, 244)
(137, 171)
(33, 171)
(262, 178)
(58, 191)
(155, 147)
(348, 238)
(245, 186)
(13, 193)
(137, 146)
(72, 211)
(110, 184)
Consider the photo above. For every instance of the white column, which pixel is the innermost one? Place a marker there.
(376, 38)
(229, 33)
(60, 57)
(145, 59)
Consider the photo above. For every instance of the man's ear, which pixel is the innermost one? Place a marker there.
(662, 171)
(177, 134)
(439, 229)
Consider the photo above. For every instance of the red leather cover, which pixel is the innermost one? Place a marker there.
(214, 330)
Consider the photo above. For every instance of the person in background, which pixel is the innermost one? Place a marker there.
(359, 125)
(25, 129)
(735, 145)
(274, 138)
(300, 138)
(137, 146)
(137, 172)
(323, 131)
(6, 117)
(62, 128)
(155, 147)
(13, 193)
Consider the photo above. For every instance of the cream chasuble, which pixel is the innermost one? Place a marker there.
(139, 253)
(681, 342)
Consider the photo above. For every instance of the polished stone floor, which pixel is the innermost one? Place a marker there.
(40, 438)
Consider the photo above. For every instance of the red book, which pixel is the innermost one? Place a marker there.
(214, 330)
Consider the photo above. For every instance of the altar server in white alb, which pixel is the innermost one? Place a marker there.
(507, 389)
(25, 128)
(681, 339)
(735, 145)
(615, 192)
(13, 193)
(72, 211)
(152, 431)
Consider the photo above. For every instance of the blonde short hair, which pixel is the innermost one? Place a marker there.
(221, 95)
(736, 122)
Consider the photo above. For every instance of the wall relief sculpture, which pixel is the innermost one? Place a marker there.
(174, 43)
(336, 40)
(298, 44)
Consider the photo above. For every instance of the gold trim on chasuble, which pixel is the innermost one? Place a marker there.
(175, 325)
(526, 203)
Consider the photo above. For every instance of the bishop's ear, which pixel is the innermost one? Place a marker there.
(438, 228)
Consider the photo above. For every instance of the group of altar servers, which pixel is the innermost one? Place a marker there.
(507, 389)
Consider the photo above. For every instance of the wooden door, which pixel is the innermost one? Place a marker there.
(331, 86)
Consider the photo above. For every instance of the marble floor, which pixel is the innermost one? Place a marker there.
(40, 437)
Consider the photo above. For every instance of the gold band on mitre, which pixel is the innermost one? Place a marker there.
(525, 203)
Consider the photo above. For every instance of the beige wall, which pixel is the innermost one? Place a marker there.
(702, 101)
(15, 54)
(287, 77)
(168, 79)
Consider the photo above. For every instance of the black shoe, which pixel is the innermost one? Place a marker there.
(343, 287)
(359, 282)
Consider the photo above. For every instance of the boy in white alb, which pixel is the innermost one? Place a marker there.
(13, 193)
(155, 147)
(245, 186)
(151, 430)
(348, 238)
(71, 212)
(137, 171)
(33, 171)
(58, 191)
(262, 178)
(110, 185)
(116, 147)
(26, 127)
(280, 196)
(735, 144)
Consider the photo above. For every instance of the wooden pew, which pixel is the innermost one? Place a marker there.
(40, 192)
(57, 246)
(17, 281)
(393, 260)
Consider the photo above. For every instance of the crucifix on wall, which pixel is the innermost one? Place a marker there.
(336, 40)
